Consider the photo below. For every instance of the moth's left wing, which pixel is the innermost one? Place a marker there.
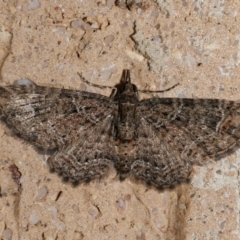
(50, 118)
(88, 158)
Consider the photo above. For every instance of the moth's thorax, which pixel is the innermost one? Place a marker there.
(126, 124)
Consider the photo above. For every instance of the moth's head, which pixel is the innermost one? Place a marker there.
(126, 86)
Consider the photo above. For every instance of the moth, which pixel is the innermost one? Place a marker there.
(156, 140)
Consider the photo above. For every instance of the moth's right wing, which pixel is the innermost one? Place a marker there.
(174, 134)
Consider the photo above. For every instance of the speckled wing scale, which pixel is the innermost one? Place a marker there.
(155, 140)
(76, 125)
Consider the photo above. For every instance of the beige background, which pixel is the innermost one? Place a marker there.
(195, 43)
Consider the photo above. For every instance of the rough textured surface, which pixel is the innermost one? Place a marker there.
(195, 44)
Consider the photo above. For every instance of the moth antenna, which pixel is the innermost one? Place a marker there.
(159, 91)
(93, 84)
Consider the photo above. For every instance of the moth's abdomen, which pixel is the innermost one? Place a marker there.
(126, 155)
(125, 148)
(126, 131)
(126, 137)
